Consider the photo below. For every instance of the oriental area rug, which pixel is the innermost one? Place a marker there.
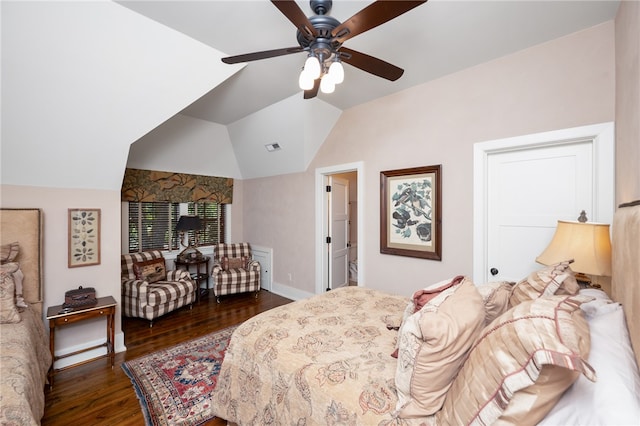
(174, 385)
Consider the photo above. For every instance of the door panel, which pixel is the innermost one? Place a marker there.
(339, 231)
(528, 191)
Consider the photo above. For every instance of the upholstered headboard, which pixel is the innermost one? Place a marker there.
(625, 279)
(25, 227)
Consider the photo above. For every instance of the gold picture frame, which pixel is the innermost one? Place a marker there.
(84, 237)
(411, 212)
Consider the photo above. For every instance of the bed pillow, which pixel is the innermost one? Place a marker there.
(10, 268)
(553, 279)
(13, 268)
(18, 278)
(521, 364)
(9, 252)
(495, 296)
(234, 262)
(614, 398)
(150, 271)
(8, 312)
(433, 344)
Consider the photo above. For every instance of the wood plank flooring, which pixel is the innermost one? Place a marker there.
(96, 394)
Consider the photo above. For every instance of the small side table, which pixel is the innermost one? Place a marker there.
(197, 276)
(106, 307)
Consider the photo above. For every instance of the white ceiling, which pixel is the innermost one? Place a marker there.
(430, 41)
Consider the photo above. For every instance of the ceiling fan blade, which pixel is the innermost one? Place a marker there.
(247, 57)
(292, 11)
(313, 92)
(370, 64)
(371, 16)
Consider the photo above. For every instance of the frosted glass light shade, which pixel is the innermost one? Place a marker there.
(305, 81)
(336, 72)
(312, 67)
(588, 244)
(327, 85)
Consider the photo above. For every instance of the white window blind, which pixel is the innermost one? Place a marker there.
(151, 226)
(213, 220)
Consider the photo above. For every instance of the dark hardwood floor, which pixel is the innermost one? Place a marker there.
(96, 394)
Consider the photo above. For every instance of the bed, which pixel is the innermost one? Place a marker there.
(542, 351)
(24, 351)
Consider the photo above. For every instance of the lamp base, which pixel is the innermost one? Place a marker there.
(585, 282)
(190, 253)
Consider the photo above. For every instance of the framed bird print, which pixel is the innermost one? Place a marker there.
(411, 212)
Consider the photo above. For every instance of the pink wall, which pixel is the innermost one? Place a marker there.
(58, 277)
(565, 83)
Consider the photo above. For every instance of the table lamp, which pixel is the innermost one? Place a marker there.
(587, 243)
(185, 224)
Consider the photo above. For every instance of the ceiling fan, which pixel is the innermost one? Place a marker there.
(322, 36)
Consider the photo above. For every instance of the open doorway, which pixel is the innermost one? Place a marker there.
(339, 221)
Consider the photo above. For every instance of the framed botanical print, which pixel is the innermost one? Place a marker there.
(84, 237)
(410, 212)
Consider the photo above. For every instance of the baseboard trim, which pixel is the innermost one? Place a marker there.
(289, 292)
(88, 355)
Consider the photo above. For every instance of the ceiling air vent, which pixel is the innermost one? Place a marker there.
(272, 147)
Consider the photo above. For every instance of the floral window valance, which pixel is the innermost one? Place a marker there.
(154, 186)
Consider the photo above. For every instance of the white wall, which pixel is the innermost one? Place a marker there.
(81, 81)
(186, 145)
(299, 126)
(565, 83)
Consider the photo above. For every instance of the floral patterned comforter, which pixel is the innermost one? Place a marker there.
(322, 360)
(24, 362)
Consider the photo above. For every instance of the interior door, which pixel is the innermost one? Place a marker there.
(339, 232)
(528, 191)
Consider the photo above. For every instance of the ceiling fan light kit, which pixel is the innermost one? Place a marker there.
(330, 74)
(322, 37)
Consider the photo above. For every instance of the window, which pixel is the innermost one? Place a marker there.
(152, 225)
(213, 219)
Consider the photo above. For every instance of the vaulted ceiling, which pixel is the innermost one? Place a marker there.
(83, 81)
(430, 41)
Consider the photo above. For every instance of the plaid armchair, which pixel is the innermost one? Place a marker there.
(149, 290)
(233, 270)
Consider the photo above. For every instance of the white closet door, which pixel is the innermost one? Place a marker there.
(528, 191)
(525, 184)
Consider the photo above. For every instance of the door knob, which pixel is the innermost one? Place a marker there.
(494, 271)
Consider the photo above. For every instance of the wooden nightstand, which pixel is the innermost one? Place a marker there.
(106, 307)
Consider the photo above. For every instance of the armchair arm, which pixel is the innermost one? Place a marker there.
(217, 268)
(135, 290)
(253, 265)
(178, 275)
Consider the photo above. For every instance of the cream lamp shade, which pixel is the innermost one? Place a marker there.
(588, 244)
